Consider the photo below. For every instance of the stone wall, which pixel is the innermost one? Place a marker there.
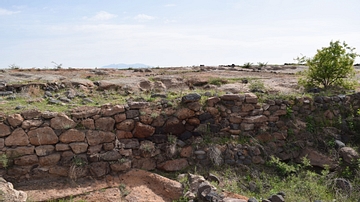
(114, 138)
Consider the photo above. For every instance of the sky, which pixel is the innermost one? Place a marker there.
(93, 33)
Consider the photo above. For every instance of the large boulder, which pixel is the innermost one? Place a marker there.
(15, 120)
(62, 122)
(72, 135)
(99, 137)
(9, 194)
(4, 130)
(42, 136)
(105, 124)
(146, 186)
(143, 131)
(316, 158)
(349, 155)
(17, 138)
(174, 165)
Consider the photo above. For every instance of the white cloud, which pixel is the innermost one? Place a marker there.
(102, 15)
(7, 12)
(170, 5)
(143, 18)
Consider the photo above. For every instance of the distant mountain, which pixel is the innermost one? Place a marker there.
(122, 65)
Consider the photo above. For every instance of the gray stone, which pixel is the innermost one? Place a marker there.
(193, 97)
(339, 144)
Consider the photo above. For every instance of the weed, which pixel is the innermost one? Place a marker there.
(289, 112)
(172, 139)
(310, 124)
(247, 65)
(123, 190)
(217, 81)
(154, 115)
(257, 86)
(262, 64)
(4, 160)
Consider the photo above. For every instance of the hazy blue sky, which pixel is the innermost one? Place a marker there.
(93, 33)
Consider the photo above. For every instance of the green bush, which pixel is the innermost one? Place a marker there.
(247, 65)
(330, 67)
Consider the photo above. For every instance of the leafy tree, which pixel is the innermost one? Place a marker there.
(330, 67)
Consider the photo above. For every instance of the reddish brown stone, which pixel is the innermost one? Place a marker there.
(316, 158)
(31, 123)
(273, 118)
(62, 147)
(143, 131)
(88, 124)
(247, 126)
(173, 165)
(146, 119)
(27, 160)
(186, 152)
(108, 146)
(19, 151)
(123, 134)
(18, 137)
(127, 125)
(72, 135)
(138, 105)
(251, 98)
(213, 111)
(235, 118)
(105, 124)
(110, 110)
(126, 152)
(258, 160)
(85, 112)
(2, 143)
(99, 169)
(99, 137)
(144, 163)
(4, 130)
(62, 122)
(49, 160)
(264, 137)
(247, 107)
(349, 155)
(49, 115)
(193, 121)
(119, 167)
(79, 147)
(120, 117)
(255, 119)
(59, 170)
(31, 114)
(15, 120)
(210, 102)
(195, 106)
(158, 121)
(41, 136)
(94, 149)
(44, 150)
(233, 97)
(174, 126)
(184, 113)
(279, 112)
(279, 136)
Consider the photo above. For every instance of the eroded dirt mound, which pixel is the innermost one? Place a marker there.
(135, 186)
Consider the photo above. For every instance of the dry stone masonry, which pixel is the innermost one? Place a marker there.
(115, 138)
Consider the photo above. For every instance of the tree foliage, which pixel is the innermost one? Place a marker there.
(331, 67)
